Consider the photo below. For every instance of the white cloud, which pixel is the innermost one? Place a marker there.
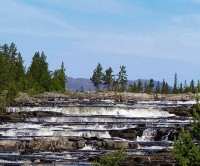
(20, 18)
(172, 41)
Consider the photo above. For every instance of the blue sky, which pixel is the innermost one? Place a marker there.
(152, 38)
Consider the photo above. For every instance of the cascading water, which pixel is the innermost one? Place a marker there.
(100, 127)
(148, 135)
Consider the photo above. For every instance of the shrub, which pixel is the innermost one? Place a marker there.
(111, 158)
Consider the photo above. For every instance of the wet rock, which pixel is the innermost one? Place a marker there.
(183, 111)
(130, 134)
(8, 144)
(81, 143)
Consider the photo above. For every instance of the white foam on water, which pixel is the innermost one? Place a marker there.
(88, 147)
(50, 131)
(10, 162)
(167, 102)
(148, 135)
(151, 147)
(191, 102)
(115, 111)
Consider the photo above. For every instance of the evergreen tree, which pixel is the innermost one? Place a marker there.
(122, 78)
(175, 89)
(163, 90)
(150, 86)
(186, 90)
(108, 78)
(34, 69)
(45, 76)
(185, 150)
(181, 88)
(97, 76)
(139, 86)
(39, 73)
(145, 87)
(3, 72)
(198, 86)
(192, 87)
(157, 90)
(133, 88)
(59, 79)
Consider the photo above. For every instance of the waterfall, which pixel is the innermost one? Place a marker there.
(148, 135)
(109, 111)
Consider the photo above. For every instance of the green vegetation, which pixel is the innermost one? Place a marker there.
(186, 147)
(119, 83)
(108, 79)
(97, 77)
(111, 158)
(36, 79)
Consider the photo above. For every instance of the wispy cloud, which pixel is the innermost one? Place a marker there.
(174, 40)
(21, 18)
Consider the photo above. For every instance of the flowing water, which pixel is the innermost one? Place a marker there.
(91, 122)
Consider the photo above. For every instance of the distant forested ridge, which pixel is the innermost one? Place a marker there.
(118, 82)
(37, 78)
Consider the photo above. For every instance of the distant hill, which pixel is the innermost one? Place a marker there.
(78, 84)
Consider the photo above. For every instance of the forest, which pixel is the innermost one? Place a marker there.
(119, 82)
(37, 78)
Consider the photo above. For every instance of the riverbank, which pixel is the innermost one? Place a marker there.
(95, 97)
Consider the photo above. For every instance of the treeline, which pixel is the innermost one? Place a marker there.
(119, 83)
(37, 78)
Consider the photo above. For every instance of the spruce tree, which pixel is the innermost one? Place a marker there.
(186, 89)
(198, 86)
(150, 86)
(122, 79)
(181, 88)
(45, 77)
(175, 89)
(39, 73)
(108, 78)
(192, 87)
(97, 76)
(59, 79)
(139, 86)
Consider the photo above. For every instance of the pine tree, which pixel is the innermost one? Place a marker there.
(39, 73)
(181, 88)
(122, 78)
(3, 72)
(198, 86)
(139, 86)
(186, 90)
(185, 150)
(163, 90)
(108, 78)
(150, 86)
(97, 76)
(45, 76)
(175, 89)
(59, 79)
(192, 87)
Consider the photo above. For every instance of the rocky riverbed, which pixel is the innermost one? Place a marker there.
(75, 129)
